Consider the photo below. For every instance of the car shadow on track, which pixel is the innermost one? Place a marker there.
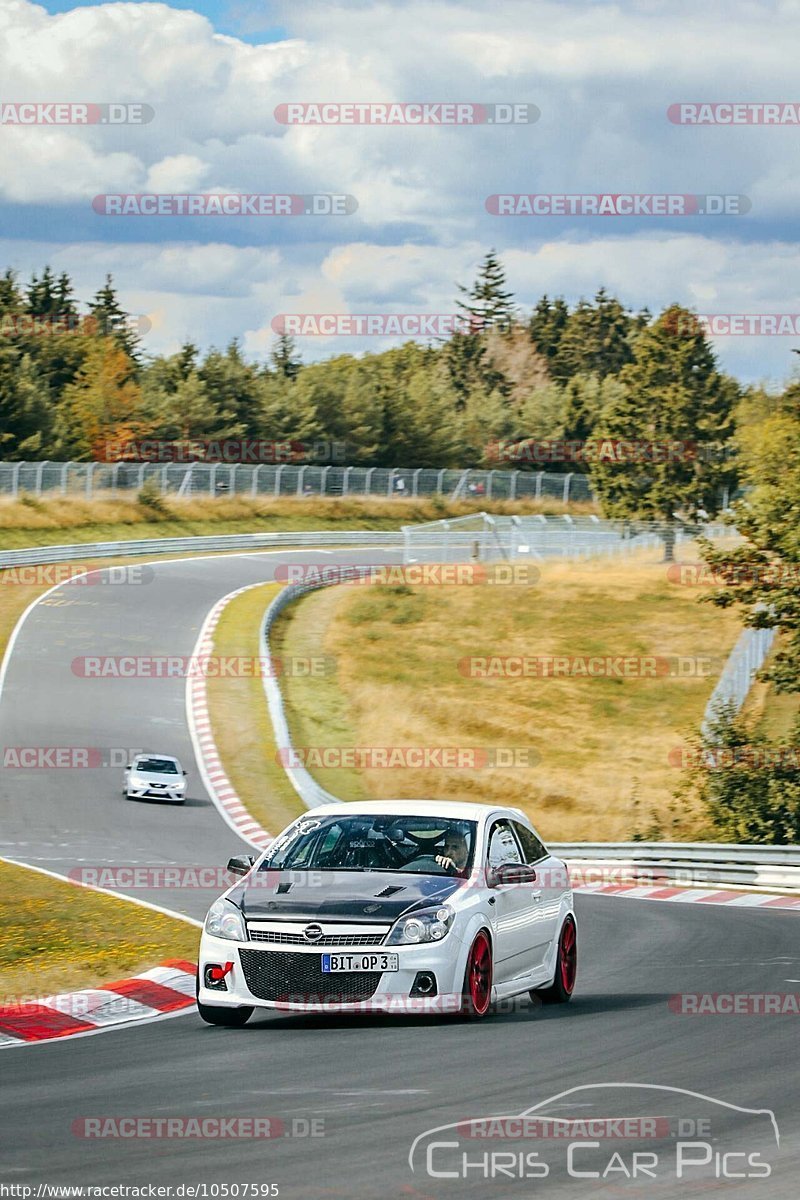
(189, 802)
(521, 1008)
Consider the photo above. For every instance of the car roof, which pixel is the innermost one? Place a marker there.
(453, 809)
(155, 754)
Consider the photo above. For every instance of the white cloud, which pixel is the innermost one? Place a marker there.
(602, 75)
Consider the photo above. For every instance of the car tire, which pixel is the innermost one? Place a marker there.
(476, 993)
(231, 1018)
(561, 989)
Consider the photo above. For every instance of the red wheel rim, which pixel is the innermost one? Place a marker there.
(568, 955)
(480, 974)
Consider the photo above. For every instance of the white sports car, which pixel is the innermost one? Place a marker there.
(155, 777)
(396, 906)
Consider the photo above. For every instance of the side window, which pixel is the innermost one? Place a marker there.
(503, 846)
(532, 848)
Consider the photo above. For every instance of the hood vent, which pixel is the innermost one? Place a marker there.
(390, 891)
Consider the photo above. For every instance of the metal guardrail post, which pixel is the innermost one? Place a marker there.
(39, 475)
(567, 481)
(15, 479)
(537, 495)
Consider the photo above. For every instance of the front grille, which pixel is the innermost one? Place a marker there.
(327, 939)
(273, 975)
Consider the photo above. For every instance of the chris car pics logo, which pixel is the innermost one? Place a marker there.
(620, 1131)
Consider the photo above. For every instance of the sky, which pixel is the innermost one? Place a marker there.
(601, 75)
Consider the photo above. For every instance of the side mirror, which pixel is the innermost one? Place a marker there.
(184, 772)
(128, 766)
(241, 864)
(512, 873)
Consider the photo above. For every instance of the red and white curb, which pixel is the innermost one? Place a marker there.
(692, 895)
(161, 991)
(218, 785)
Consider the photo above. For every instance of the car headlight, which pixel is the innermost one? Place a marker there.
(137, 782)
(225, 921)
(425, 925)
(180, 784)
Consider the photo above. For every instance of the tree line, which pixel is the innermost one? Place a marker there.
(636, 401)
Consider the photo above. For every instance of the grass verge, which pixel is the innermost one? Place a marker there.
(771, 713)
(602, 745)
(70, 520)
(64, 930)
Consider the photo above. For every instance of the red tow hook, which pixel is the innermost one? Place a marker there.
(219, 973)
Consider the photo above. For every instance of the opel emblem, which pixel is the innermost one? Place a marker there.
(312, 933)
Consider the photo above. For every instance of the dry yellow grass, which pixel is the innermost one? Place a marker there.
(56, 936)
(603, 769)
(48, 521)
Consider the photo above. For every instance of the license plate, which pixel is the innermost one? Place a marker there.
(331, 963)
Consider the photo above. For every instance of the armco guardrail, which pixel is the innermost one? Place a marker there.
(747, 657)
(301, 780)
(770, 868)
(34, 555)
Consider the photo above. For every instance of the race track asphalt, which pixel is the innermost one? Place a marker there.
(376, 1083)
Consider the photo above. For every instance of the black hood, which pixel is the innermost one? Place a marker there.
(340, 895)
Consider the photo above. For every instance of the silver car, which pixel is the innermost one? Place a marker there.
(155, 777)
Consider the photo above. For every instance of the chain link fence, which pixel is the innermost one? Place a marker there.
(213, 479)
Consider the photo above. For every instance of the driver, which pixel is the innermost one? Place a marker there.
(455, 852)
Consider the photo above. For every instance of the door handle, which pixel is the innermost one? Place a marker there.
(492, 900)
(536, 896)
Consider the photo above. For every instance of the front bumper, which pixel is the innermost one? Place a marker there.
(290, 980)
(148, 793)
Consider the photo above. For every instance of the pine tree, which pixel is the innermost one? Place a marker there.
(546, 326)
(676, 407)
(487, 303)
(112, 320)
(285, 358)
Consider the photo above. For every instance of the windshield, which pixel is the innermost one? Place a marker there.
(156, 766)
(424, 845)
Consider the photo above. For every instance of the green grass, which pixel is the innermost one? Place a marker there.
(56, 936)
(771, 713)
